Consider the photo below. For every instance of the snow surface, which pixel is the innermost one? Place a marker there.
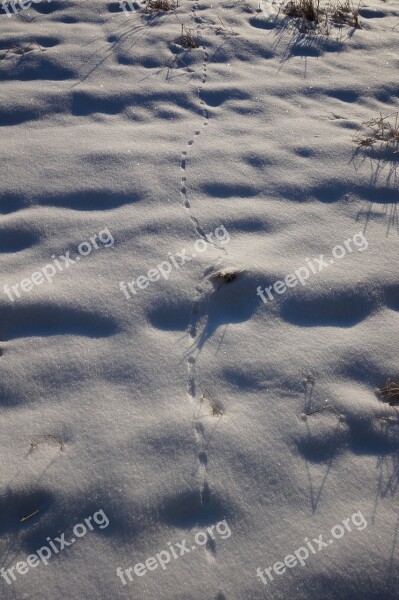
(185, 404)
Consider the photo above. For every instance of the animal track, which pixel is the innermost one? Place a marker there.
(191, 379)
(183, 165)
(211, 548)
(191, 141)
(207, 305)
(206, 497)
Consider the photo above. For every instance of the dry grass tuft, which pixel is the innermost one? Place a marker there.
(215, 406)
(225, 276)
(379, 130)
(316, 19)
(161, 5)
(303, 9)
(390, 393)
(345, 14)
(220, 278)
(187, 39)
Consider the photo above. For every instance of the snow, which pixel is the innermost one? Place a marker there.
(184, 405)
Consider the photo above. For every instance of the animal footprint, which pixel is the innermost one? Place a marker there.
(211, 548)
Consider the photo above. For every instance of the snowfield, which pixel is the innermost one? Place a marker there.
(199, 301)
